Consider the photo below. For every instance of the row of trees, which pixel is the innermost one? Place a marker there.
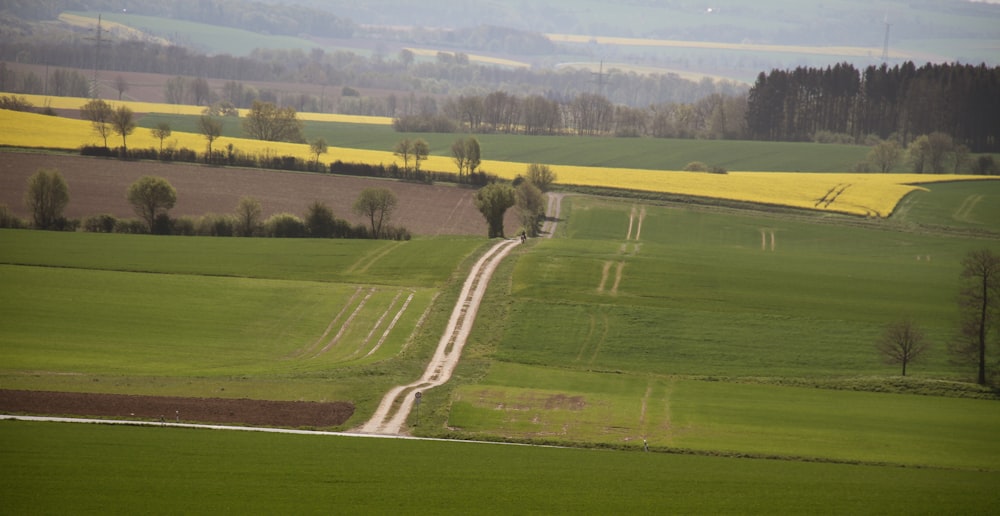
(151, 197)
(586, 114)
(959, 100)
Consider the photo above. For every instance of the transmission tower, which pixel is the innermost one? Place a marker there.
(885, 43)
(97, 38)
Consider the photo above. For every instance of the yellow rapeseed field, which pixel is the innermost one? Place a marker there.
(859, 194)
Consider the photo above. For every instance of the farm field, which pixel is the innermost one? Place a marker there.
(712, 330)
(857, 194)
(94, 468)
(231, 318)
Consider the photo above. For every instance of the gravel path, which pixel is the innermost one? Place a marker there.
(391, 414)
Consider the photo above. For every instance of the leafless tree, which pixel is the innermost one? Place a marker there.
(979, 303)
(902, 343)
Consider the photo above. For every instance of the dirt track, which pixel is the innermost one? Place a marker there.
(385, 420)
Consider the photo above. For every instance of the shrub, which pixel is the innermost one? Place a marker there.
(162, 225)
(64, 224)
(985, 166)
(130, 226)
(832, 137)
(103, 223)
(216, 225)
(10, 221)
(320, 222)
(284, 225)
(715, 169)
(395, 233)
(696, 166)
(184, 226)
(12, 103)
(95, 150)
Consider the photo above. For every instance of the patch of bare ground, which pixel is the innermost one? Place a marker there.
(98, 185)
(293, 414)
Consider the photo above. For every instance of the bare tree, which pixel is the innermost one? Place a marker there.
(901, 343)
(161, 132)
(248, 214)
(123, 123)
(211, 129)
(267, 122)
(420, 152)
(318, 146)
(979, 303)
(121, 85)
(377, 204)
(404, 149)
(99, 113)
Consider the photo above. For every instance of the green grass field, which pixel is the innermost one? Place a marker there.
(708, 333)
(98, 469)
(642, 153)
(261, 318)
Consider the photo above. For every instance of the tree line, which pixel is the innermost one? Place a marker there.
(151, 197)
(904, 102)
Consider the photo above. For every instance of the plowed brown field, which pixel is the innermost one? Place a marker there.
(98, 185)
(292, 414)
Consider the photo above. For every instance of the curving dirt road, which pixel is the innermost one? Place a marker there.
(391, 414)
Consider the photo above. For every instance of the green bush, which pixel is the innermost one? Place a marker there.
(284, 225)
(103, 223)
(216, 225)
(130, 226)
(9, 220)
(184, 226)
(696, 166)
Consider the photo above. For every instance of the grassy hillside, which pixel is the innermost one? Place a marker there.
(298, 319)
(714, 330)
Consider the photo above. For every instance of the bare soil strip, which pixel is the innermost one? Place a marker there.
(174, 409)
(631, 221)
(642, 217)
(378, 323)
(309, 350)
(618, 278)
(346, 325)
(392, 325)
(604, 276)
